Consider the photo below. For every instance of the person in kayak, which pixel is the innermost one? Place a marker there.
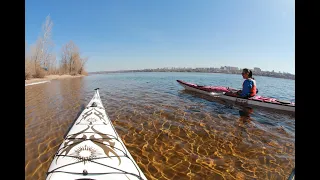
(249, 88)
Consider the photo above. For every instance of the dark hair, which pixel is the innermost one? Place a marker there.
(248, 71)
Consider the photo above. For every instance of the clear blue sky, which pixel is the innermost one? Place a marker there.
(138, 34)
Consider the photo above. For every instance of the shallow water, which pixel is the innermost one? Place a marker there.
(171, 133)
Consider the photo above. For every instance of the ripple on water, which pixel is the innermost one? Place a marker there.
(170, 134)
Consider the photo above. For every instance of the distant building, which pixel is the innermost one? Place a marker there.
(229, 68)
(256, 69)
(233, 68)
(223, 68)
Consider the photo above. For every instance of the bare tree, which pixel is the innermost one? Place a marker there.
(75, 65)
(82, 62)
(27, 63)
(35, 55)
(39, 56)
(41, 51)
(71, 61)
(46, 42)
(67, 57)
(52, 64)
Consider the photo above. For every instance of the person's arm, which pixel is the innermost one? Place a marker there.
(247, 86)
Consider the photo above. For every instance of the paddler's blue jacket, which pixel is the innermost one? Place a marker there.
(248, 88)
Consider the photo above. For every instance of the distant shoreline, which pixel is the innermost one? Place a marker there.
(49, 78)
(267, 74)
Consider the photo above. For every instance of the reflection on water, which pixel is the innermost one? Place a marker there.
(171, 134)
(245, 114)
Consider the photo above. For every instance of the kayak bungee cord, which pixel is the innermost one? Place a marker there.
(91, 160)
(86, 173)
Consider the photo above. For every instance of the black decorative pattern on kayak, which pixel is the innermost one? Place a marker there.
(85, 115)
(91, 120)
(106, 148)
(94, 111)
(74, 139)
(85, 154)
(71, 141)
(99, 114)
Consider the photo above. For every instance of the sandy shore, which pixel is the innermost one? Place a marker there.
(49, 78)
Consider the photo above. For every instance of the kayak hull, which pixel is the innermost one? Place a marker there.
(92, 149)
(219, 92)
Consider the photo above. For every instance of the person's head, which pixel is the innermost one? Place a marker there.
(246, 73)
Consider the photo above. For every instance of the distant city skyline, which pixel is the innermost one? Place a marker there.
(262, 69)
(127, 35)
(225, 69)
(231, 68)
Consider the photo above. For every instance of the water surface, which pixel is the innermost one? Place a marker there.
(171, 133)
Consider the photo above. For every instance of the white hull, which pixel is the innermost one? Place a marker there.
(241, 100)
(92, 149)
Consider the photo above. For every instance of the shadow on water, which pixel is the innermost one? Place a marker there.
(192, 96)
(252, 116)
(227, 104)
(216, 104)
(245, 113)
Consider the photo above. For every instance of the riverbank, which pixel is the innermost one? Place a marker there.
(50, 77)
(262, 73)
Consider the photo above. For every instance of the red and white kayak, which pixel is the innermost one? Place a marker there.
(220, 92)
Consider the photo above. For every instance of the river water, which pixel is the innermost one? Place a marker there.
(171, 133)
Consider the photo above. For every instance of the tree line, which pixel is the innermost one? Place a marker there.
(206, 70)
(40, 60)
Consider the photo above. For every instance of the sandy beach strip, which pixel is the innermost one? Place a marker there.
(36, 83)
(48, 78)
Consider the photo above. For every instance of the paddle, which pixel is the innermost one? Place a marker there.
(283, 102)
(216, 93)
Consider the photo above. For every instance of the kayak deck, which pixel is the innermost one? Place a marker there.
(93, 149)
